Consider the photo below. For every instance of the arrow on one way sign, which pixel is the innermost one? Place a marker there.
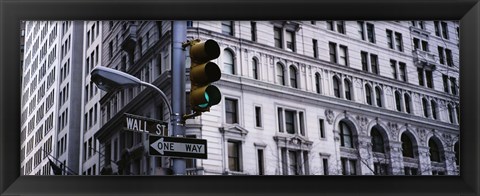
(178, 147)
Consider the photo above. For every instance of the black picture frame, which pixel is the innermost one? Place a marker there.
(466, 11)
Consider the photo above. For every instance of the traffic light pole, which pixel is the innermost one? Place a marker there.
(179, 35)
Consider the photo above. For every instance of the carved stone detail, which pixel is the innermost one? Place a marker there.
(393, 128)
(329, 115)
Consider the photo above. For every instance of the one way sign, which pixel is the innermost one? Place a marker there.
(178, 147)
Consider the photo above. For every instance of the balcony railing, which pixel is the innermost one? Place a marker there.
(129, 36)
(424, 58)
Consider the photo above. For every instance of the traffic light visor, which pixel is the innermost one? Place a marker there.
(205, 73)
(205, 51)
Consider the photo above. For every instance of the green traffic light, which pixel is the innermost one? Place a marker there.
(204, 105)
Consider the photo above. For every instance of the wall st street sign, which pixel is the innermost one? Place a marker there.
(143, 124)
(178, 147)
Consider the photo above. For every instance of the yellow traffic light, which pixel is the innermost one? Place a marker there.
(202, 73)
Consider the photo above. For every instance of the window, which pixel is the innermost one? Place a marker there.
(346, 137)
(403, 75)
(420, 76)
(368, 94)
(293, 77)
(445, 30)
(231, 111)
(349, 166)
(377, 141)
(364, 56)
(258, 116)
(228, 64)
(336, 87)
(341, 27)
(374, 63)
(277, 36)
(255, 68)
(110, 50)
(315, 48)
(348, 92)
(434, 151)
(189, 23)
(429, 78)
(321, 125)
(333, 52)
(371, 33)
(325, 166)
(380, 168)
(433, 104)
(393, 64)
(450, 113)
(378, 96)
(453, 85)
(445, 83)
(361, 29)
(389, 38)
(441, 56)
(280, 74)
(253, 30)
(425, 107)
(233, 156)
(407, 103)
(317, 83)
(330, 25)
(261, 164)
(398, 101)
(437, 28)
(290, 121)
(407, 146)
(343, 55)
(399, 41)
(448, 53)
(227, 27)
(290, 40)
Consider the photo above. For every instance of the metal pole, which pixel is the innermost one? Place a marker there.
(179, 35)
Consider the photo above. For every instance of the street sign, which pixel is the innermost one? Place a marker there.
(178, 147)
(143, 124)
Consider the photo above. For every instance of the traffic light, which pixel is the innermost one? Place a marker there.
(202, 73)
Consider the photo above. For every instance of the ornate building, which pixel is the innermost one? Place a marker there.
(299, 97)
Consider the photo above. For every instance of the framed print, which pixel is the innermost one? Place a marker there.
(276, 97)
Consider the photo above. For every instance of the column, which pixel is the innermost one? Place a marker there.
(450, 165)
(396, 158)
(365, 157)
(425, 165)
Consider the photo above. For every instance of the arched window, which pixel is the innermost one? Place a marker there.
(255, 68)
(346, 137)
(434, 150)
(317, 83)
(293, 77)
(425, 107)
(377, 141)
(368, 94)
(280, 74)
(450, 113)
(348, 89)
(228, 65)
(336, 87)
(407, 103)
(433, 104)
(407, 146)
(456, 149)
(378, 94)
(398, 101)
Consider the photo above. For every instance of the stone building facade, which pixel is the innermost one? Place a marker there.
(298, 97)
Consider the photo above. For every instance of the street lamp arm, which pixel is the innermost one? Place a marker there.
(164, 97)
